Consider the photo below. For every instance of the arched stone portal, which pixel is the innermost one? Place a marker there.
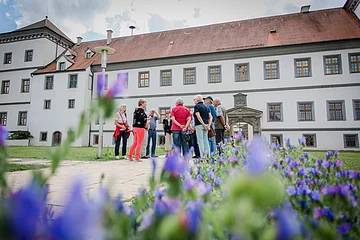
(56, 140)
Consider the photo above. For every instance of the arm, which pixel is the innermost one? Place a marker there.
(210, 118)
(187, 123)
(157, 114)
(201, 121)
(176, 122)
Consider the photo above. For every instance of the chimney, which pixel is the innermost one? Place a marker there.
(109, 36)
(132, 29)
(79, 39)
(305, 9)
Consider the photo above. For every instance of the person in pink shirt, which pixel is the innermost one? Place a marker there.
(181, 118)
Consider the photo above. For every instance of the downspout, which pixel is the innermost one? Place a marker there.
(91, 98)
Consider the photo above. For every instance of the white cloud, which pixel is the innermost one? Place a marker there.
(4, 2)
(8, 15)
(79, 17)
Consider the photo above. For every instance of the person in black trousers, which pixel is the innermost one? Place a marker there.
(122, 131)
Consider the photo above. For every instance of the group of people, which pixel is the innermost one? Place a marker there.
(201, 129)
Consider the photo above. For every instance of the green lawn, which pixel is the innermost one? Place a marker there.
(13, 167)
(75, 153)
(351, 159)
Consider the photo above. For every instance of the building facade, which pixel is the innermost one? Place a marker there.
(298, 73)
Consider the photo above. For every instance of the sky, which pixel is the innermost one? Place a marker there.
(91, 18)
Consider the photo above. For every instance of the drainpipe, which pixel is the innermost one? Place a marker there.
(91, 98)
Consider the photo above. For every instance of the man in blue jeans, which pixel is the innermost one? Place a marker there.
(154, 115)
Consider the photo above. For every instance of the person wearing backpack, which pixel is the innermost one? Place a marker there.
(122, 131)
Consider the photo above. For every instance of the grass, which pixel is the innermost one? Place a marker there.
(13, 167)
(351, 159)
(75, 153)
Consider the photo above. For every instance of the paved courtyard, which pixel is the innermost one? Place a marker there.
(121, 176)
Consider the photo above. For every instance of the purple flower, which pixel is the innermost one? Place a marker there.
(217, 181)
(353, 174)
(319, 162)
(304, 190)
(301, 172)
(291, 190)
(191, 149)
(328, 213)
(118, 203)
(257, 159)
(203, 188)
(100, 84)
(344, 228)
(306, 155)
(190, 220)
(4, 133)
(275, 146)
(189, 183)
(173, 204)
(336, 153)
(79, 220)
(302, 141)
(315, 195)
(327, 164)
(153, 161)
(338, 163)
(294, 164)
(234, 159)
(174, 164)
(238, 135)
(328, 155)
(330, 190)
(25, 209)
(159, 192)
(118, 86)
(318, 213)
(147, 220)
(344, 190)
(288, 225)
(160, 208)
(288, 172)
(211, 175)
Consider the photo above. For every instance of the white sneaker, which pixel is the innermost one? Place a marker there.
(117, 157)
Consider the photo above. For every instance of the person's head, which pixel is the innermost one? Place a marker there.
(198, 98)
(167, 112)
(142, 103)
(123, 108)
(208, 100)
(217, 101)
(179, 101)
(152, 112)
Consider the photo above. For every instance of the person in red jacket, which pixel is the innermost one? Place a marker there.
(122, 131)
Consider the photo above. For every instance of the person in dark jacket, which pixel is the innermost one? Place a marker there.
(167, 130)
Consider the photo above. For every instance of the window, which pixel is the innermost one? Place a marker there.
(356, 104)
(354, 60)
(28, 55)
(62, 66)
(332, 64)
(25, 85)
(49, 82)
(73, 81)
(271, 70)
(96, 139)
(310, 140)
(144, 79)
(274, 112)
(162, 112)
(306, 111)
(189, 76)
(165, 78)
(47, 104)
(3, 118)
(71, 103)
(302, 67)
(88, 54)
(215, 74)
(241, 72)
(22, 119)
(277, 139)
(7, 58)
(43, 136)
(351, 141)
(5, 87)
(336, 110)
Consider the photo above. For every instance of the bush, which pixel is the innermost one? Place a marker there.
(19, 135)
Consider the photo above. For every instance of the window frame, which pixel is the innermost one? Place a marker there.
(312, 111)
(277, 135)
(339, 63)
(62, 64)
(2, 120)
(45, 104)
(184, 75)
(356, 140)
(248, 71)
(315, 140)
(32, 55)
(96, 136)
(5, 54)
(3, 87)
(70, 80)
(20, 117)
(148, 79)
(281, 111)
(342, 109)
(22, 85)
(52, 85)
(46, 134)
(209, 74)
(277, 68)
(71, 100)
(308, 59)
(354, 109)
(161, 116)
(161, 78)
(358, 61)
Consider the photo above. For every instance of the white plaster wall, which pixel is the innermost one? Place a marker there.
(13, 116)
(15, 94)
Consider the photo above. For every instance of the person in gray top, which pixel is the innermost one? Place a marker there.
(154, 117)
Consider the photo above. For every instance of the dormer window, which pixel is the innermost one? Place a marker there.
(62, 66)
(88, 55)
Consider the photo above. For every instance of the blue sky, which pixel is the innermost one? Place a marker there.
(91, 18)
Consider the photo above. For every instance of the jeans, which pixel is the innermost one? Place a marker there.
(122, 136)
(179, 141)
(152, 138)
(212, 141)
(138, 139)
(195, 145)
(203, 140)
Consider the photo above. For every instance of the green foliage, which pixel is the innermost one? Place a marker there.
(20, 135)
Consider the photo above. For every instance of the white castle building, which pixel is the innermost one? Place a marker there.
(288, 76)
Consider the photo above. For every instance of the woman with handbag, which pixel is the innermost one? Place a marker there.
(122, 131)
